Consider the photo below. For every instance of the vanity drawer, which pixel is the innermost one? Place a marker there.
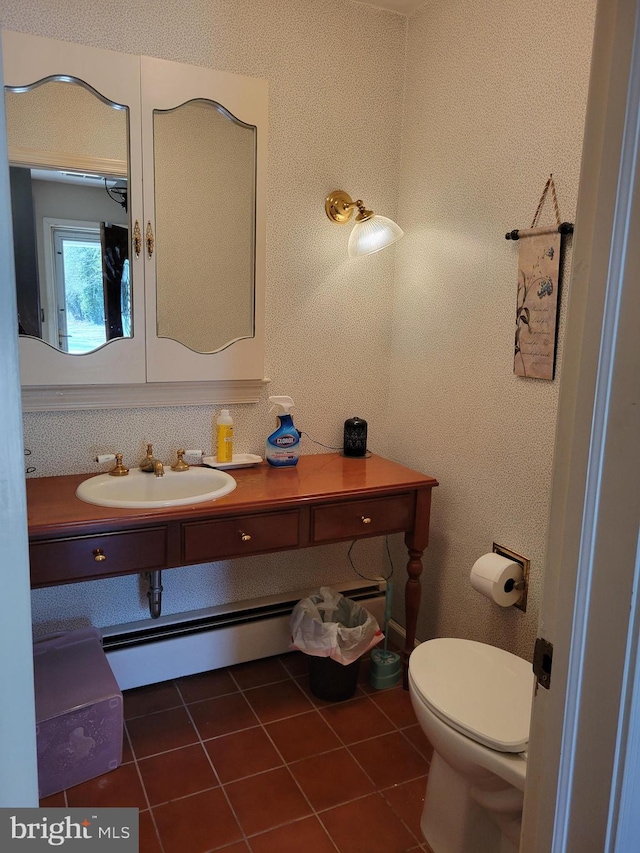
(234, 537)
(84, 557)
(370, 517)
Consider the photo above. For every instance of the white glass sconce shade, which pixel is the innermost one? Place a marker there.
(370, 233)
(373, 234)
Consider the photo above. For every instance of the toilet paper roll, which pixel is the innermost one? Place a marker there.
(495, 576)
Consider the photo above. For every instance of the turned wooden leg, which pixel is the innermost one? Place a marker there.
(416, 541)
(412, 595)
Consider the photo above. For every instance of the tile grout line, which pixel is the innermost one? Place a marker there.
(144, 791)
(317, 709)
(289, 676)
(185, 706)
(212, 765)
(428, 761)
(285, 765)
(378, 789)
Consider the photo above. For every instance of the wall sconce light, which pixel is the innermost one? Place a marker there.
(118, 193)
(370, 232)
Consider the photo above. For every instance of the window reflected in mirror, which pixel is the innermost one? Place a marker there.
(205, 174)
(68, 154)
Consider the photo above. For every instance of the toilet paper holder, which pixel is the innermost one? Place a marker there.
(523, 585)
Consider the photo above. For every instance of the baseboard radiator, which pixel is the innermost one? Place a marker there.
(150, 651)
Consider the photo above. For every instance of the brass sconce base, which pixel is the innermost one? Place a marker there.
(339, 206)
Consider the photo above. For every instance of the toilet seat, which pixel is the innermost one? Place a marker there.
(481, 691)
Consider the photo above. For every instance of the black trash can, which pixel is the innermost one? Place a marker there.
(334, 632)
(332, 681)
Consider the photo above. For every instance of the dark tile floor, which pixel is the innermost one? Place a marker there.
(247, 760)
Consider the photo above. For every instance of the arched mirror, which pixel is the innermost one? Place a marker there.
(205, 189)
(69, 170)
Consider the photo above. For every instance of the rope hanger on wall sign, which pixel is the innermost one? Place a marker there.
(538, 285)
(561, 227)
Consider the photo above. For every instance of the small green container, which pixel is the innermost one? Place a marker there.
(385, 669)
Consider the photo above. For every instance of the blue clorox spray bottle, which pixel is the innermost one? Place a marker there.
(283, 445)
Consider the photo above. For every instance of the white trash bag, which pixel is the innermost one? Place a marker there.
(329, 625)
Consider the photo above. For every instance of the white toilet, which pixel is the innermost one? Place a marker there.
(473, 702)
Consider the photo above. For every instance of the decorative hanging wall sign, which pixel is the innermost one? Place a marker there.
(537, 300)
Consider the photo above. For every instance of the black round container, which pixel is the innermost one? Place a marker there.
(355, 437)
(332, 681)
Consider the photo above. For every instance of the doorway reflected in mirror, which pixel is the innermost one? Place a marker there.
(68, 174)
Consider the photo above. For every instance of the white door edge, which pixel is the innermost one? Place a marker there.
(584, 729)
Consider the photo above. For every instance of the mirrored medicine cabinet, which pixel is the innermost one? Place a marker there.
(138, 204)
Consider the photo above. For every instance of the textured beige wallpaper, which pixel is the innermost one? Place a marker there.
(419, 339)
(495, 101)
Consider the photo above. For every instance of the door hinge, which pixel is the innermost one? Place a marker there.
(542, 661)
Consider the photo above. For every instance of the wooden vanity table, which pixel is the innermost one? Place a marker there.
(325, 498)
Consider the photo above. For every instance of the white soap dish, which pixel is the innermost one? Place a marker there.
(238, 460)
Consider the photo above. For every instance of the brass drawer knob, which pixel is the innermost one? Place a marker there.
(99, 556)
(245, 536)
(366, 519)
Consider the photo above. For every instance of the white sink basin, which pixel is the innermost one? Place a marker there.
(139, 490)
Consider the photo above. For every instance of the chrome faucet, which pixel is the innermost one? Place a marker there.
(150, 464)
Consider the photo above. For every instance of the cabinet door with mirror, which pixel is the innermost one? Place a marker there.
(204, 149)
(115, 285)
(73, 136)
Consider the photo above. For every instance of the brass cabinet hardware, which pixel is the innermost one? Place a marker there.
(366, 519)
(149, 239)
(99, 556)
(137, 239)
(245, 536)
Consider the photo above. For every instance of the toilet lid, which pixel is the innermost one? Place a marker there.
(483, 692)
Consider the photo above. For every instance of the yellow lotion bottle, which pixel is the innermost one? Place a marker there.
(224, 436)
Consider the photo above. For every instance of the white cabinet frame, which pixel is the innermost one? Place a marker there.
(145, 370)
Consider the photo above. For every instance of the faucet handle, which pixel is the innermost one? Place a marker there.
(146, 463)
(120, 470)
(180, 465)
